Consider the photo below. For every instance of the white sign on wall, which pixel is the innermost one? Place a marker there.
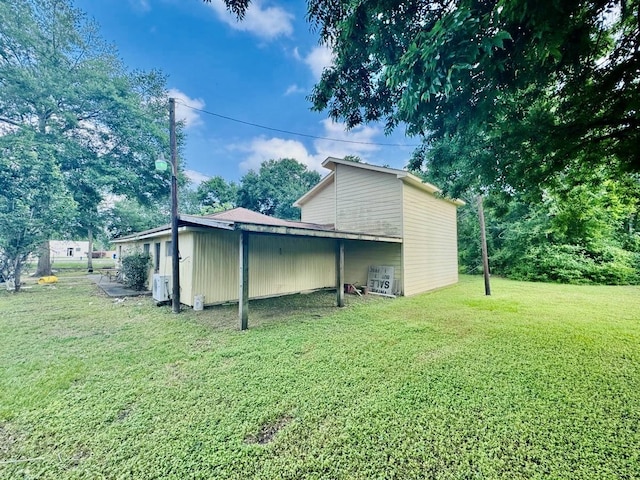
(380, 280)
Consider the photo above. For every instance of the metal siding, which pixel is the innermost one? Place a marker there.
(322, 207)
(358, 256)
(277, 265)
(216, 274)
(280, 265)
(430, 251)
(368, 201)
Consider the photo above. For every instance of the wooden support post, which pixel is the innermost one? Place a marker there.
(243, 298)
(340, 273)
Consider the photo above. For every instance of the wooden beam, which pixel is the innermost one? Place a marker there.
(243, 297)
(340, 273)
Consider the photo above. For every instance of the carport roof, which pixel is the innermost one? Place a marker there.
(250, 221)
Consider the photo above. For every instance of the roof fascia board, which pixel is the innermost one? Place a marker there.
(428, 187)
(303, 232)
(207, 222)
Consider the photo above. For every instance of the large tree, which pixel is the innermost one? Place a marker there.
(34, 201)
(522, 87)
(104, 125)
(275, 186)
(216, 194)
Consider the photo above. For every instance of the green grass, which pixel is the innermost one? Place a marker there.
(537, 381)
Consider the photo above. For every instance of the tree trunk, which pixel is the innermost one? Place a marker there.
(90, 252)
(44, 261)
(17, 272)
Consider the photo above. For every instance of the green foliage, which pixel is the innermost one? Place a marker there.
(135, 270)
(536, 381)
(581, 231)
(34, 201)
(129, 216)
(216, 194)
(273, 189)
(523, 87)
(105, 126)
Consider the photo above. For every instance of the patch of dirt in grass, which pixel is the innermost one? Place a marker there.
(79, 456)
(9, 438)
(268, 431)
(123, 414)
(175, 374)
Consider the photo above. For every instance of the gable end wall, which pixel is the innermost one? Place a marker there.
(368, 201)
(322, 207)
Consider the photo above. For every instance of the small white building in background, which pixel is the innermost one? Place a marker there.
(68, 250)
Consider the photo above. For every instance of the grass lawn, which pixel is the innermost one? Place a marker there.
(537, 381)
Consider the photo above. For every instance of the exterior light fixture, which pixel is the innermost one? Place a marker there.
(161, 163)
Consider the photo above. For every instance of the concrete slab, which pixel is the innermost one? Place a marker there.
(114, 289)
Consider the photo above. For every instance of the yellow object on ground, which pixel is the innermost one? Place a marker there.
(49, 279)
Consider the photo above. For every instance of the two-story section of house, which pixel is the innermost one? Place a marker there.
(358, 197)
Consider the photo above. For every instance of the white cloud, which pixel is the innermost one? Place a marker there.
(196, 177)
(318, 59)
(364, 134)
(261, 149)
(293, 89)
(190, 117)
(264, 22)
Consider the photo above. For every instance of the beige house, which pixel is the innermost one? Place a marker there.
(357, 217)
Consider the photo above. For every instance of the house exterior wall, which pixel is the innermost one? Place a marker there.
(322, 207)
(59, 250)
(186, 248)
(283, 264)
(368, 201)
(359, 255)
(430, 250)
(278, 265)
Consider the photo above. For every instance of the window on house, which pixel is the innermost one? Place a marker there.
(77, 249)
(69, 252)
(146, 248)
(169, 248)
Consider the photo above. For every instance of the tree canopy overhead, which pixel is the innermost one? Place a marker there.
(519, 88)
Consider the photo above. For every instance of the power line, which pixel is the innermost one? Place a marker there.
(288, 132)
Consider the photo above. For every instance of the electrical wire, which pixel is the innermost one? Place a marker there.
(288, 132)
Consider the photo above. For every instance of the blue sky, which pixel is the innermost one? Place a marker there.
(259, 71)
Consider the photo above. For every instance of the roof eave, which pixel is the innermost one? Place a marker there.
(308, 232)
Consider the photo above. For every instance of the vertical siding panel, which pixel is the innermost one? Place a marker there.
(282, 264)
(322, 207)
(359, 255)
(368, 201)
(430, 251)
(216, 275)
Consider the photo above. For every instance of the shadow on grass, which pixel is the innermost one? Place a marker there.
(269, 311)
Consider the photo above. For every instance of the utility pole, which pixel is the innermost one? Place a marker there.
(175, 259)
(483, 240)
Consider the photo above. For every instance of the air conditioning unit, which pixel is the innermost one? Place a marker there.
(161, 284)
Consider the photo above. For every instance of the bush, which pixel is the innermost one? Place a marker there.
(135, 270)
(574, 264)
